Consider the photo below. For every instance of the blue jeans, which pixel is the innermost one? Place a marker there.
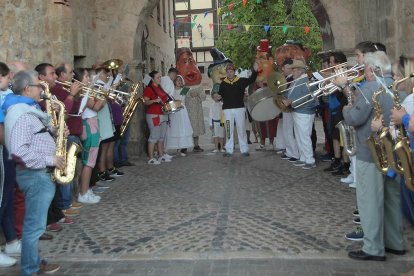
(65, 191)
(120, 149)
(38, 190)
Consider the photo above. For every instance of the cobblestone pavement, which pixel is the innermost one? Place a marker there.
(208, 215)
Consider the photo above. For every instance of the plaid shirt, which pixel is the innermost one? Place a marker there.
(31, 144)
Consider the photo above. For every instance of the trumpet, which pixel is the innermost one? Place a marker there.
(326, 86)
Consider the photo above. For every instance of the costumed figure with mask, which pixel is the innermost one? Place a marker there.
(187, 68)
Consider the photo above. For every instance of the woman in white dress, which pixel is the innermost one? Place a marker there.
(180, 132)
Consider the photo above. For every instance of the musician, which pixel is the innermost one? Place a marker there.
(7, 182)
(292, 152)
(73, 121)
(303, 116)
(378, 196)
(232, 92)
(33, 149)
(154, 98)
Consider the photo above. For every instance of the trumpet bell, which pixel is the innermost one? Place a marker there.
(276, 82)
(113, 64)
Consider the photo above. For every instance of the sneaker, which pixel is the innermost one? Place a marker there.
(357, 235)
(13, 249)
(54, 227)
(245, 154)
(48, 268)
(76, 205)
(215, 151)
(87, 198)
(66, 221)
(99, 189)
(197, 149)
(293, 160)
(284, 157)
(280, 151)
(355, 213)
(309, 166)
(333, 167)
(164, 158)
(153, 161)
(326, 158)
(347, 180)
(352, 185)
(261, 147)
(104, 176)
(115, 172)
(183, 154)
(357, 220)
(70, 212)
(90, 192)
(6, 261)
(227, 154)
(222, 151)
(298, 163)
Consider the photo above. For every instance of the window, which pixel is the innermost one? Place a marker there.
(201, 68)
(183, 27)
(181, 5)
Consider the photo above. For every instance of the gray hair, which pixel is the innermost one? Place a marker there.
(22, 79)
(378, 62)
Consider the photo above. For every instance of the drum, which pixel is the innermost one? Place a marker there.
(172, 107)
(261, 106)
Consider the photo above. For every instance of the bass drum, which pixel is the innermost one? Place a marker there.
(261, 106)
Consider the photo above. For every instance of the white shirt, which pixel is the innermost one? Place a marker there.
(215, 112)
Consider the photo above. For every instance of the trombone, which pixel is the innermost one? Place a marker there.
(326, 86)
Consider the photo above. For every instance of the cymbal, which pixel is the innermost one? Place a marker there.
(113, 64)
(276, 82)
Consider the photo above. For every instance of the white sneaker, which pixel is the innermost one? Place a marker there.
(352, 185)
(347, 180)
(166, 155)
(153, 161)
(13, 249)
(164, 159)
(6, 261)
(93, 195)
(215, 151)
(87, 198)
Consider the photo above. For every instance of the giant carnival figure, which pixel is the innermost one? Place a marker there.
(187, 68)
(217, 70)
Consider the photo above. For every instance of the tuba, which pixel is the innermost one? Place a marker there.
(348, 132)
(374, 143)
(130, 108)
(66, 175)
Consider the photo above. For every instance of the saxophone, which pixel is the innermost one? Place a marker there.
(66, 175)
(403, 152)
(374, 143)
(348, 132)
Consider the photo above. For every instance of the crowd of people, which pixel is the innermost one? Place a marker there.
(32, 203)
(34, 131)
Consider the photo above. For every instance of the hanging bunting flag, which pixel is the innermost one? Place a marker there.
(192, 25)
(218, 11)
(285, 29)
(195, 17)
(231, 6)
(244, 3)
(205, 14)
(306, 29)
(266, 28)
(210, 25)
(230, 27)
(247, 27)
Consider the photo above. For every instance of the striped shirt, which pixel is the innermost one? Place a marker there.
(31, 145)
